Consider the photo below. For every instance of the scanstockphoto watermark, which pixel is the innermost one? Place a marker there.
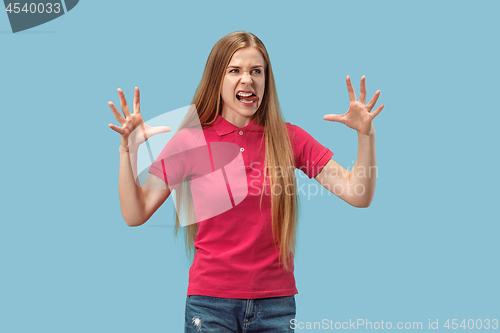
(327, 324)
(356, 324)
(308, 189)
(211, 177)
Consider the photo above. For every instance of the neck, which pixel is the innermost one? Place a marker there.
(236, 120)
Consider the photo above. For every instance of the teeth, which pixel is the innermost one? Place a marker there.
(244, 94)
(244, 101)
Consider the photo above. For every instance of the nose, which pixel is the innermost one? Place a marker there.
(246, 78)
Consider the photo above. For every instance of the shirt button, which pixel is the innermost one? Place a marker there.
(241, 132)
(242, 149)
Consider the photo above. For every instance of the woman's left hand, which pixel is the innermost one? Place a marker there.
(360, 115)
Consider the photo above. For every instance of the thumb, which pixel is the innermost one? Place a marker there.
(334, 117)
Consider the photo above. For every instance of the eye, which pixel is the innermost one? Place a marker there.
(257, 71)
(233, 70)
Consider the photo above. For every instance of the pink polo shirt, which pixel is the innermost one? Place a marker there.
(235, 255)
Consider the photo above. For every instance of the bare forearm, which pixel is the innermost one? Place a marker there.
(132, 200)
(360, 181)
(363, 175)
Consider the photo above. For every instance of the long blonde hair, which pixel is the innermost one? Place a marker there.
(279, 153)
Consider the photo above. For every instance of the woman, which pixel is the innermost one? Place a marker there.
(241, 279)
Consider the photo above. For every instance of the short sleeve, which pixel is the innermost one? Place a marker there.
(183, 151)
(169, 168)
(310, 156)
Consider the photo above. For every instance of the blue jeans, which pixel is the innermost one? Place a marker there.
(227, 315)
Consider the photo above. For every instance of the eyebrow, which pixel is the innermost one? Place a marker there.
(250, 67)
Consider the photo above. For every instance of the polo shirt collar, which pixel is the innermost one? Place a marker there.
(223, 127)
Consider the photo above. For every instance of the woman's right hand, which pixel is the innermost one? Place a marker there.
(134, 130)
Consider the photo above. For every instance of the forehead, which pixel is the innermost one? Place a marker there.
(248, 56)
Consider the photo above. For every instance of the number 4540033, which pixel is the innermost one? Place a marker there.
(34, 8)
(472, 324)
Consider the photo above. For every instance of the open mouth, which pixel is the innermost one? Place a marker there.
(247, 98)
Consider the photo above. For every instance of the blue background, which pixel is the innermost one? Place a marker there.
(427, 247)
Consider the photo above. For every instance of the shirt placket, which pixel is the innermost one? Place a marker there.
(243, 144)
